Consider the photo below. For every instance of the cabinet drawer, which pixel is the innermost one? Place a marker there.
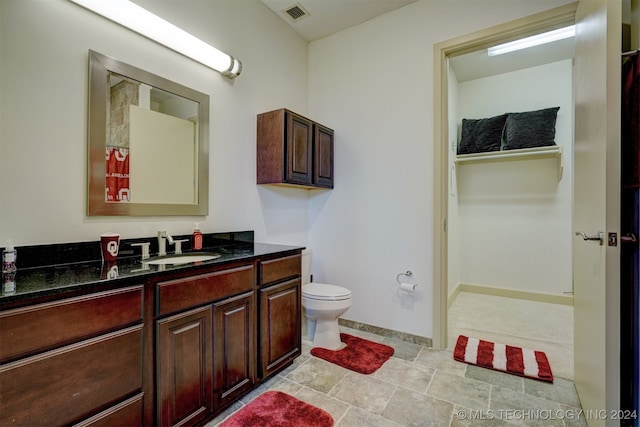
(178, 294)
(280, 269)
(125, 414)
(67, 384)
(26, 330)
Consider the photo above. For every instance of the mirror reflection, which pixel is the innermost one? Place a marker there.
(153, 132)
(150, 131)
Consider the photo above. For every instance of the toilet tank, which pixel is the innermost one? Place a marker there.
(306, 266)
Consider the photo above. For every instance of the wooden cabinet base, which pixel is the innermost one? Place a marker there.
(174, 351)
(184, 367)
(280, 340)
(125, 414)
(104, 370)
(234, 349)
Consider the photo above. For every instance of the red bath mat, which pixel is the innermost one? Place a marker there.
(504, 358)
(277, 409)
(359, 355)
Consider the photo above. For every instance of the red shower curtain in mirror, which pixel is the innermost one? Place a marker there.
(117, 176)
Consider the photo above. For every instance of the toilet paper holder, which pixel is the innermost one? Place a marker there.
(408, 273)
(406, 285)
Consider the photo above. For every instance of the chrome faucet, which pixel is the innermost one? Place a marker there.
(163, 238)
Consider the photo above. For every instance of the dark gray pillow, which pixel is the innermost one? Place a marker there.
(481, 135)
(530, 129)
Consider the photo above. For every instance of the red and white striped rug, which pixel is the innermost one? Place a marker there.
(505, 358)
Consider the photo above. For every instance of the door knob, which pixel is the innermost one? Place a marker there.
(629, 238)
(599, 237)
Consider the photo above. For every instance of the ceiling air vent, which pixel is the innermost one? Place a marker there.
(296, 12)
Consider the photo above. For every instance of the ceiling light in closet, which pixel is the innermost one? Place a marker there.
(140, 20)
(538, 39)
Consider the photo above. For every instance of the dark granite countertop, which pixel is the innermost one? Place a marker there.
(38, 281)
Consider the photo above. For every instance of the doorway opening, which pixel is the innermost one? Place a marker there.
(484, 208)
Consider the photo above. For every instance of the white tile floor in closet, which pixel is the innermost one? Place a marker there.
(529, 324)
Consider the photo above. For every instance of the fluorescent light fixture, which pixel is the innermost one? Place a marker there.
(140, 20)
(538, 39)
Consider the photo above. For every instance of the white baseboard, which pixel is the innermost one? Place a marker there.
(564, 299)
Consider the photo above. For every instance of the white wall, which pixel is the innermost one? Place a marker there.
(43, 107)
(514, 225)
(373, 84)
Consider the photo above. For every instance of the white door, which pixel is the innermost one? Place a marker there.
(596, 208)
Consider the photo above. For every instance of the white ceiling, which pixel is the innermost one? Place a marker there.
(330, 16)
(478, 64)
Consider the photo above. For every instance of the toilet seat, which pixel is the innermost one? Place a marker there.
(325, 292)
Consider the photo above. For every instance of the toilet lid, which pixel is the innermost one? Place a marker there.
(322, 291)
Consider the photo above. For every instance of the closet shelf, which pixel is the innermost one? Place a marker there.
(553, 151)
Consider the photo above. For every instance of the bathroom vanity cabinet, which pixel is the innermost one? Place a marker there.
(75, 360)
(173, 349)
(280, 313)
(222, 331)
(184, 359)
(205, 347)
(234, 350)
(293, 150)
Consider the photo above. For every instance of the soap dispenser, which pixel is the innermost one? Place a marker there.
(9, 269)
(9, 258)
(196, 242)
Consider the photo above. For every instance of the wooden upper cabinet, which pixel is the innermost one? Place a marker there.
(323, 156)
(299, 149)
(293, 150)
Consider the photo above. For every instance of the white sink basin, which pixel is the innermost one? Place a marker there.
(182, 259)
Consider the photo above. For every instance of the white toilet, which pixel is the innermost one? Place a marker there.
(323, 305)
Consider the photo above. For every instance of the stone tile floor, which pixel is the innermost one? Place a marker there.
(422, 387)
